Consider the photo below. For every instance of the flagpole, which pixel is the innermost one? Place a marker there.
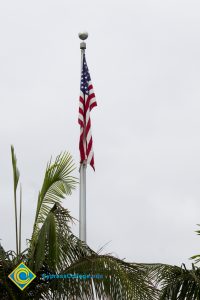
(82, 195)
(82, 203)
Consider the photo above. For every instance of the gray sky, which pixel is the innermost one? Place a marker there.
(143, 56)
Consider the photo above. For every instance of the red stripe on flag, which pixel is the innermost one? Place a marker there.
(89, 147)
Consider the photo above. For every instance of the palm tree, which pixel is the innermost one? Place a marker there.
(54, 249)
(176, 283)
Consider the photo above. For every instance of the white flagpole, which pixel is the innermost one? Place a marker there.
(82, 196)
(82, 203)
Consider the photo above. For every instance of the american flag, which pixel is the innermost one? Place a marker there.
(86, 103)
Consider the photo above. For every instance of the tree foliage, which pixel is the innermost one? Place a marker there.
(54, 249)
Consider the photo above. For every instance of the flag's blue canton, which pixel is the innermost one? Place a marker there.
(85, 77)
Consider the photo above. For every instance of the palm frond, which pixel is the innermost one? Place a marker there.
(57, 183)
(6, 267)
(20, 220)
(121, 280)
(15, 169)
(15, 182)
(196, 258)
(176, 283)
(56, 246)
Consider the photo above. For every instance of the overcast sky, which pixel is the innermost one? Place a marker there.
(144, 60)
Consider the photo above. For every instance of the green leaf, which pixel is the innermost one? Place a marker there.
(57, 183)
